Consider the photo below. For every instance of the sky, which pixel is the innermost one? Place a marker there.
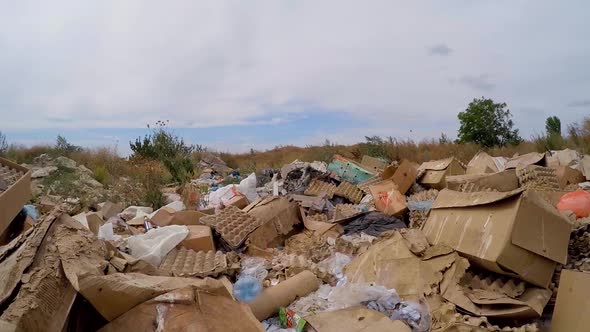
(235, 75)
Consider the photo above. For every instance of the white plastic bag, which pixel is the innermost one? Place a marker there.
(154, 245)
(106, 232)
(248, 187)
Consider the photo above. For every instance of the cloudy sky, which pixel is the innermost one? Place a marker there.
(239, 74)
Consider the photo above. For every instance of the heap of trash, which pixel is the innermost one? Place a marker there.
(496, 244)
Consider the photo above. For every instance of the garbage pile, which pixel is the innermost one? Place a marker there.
(493, 245)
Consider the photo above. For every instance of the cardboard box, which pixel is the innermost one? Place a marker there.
(373, 164)
(572, 308)
(568, 176)
(343, 169)
(199, 238)
(387, 198)
(168, 216)
(278, 216)
(502, 181)
(239, 201)
(515, 233)
(434, 173)
(405, 176)
(585, 166)
(16, 196)
(110, 209)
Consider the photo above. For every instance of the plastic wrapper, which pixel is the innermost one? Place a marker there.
(335, 265)
(31, 211)
(290, 319)
(154, 245)
(373, 223)
(577, 202)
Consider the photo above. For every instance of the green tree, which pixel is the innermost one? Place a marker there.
(488, 124)
(553, 126)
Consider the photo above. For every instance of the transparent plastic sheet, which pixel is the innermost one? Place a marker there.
(335, 265)
(154, 245)
(346, 295)
(249, 283)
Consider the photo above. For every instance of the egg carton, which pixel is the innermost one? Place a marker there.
(317, 187)
(538, 178)
(350, 192)
(364, 185)
(343, 211)
(425, 195)
(233, 225)
(318, 217)
(189, 263)
(495, 283)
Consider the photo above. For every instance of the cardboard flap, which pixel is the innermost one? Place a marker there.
(450, 199)
(541, 229)
(525, 160)
(436, 165)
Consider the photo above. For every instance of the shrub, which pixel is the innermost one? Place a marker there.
(163, 145)
(63, 147)
(101, 174)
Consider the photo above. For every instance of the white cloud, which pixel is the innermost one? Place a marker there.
(214, 63)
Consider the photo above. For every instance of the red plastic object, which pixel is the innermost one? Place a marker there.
(577, 201)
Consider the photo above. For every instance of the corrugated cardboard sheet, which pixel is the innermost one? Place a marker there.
(17, 193)
(501, 181)
(355, 319)
(572, 309)
(278, 216)
(533, 158)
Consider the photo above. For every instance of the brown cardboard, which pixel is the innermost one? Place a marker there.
(481, 163)
(572, 308)
(501, 181)
(16, 196)
(514, 233)
(114, 294)
(191, 196)
(187, 309)
(492, 296)
(267, 304)
(568, 176)
(239, 201)
(199, 238)
(388, 172)
(373, 164)
(392, 264)
(278, 216)
(585, 166)
(435, 172)
(110, 209)
(168, 216)
(387, 198)
(355, 319)
(405, 176)
(533, 158)
(94, 221)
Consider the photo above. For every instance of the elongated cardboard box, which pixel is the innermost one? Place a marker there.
(514, 233)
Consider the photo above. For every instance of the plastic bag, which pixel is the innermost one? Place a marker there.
(154, 245)
(578, 202)
(248, 187)
(31, 211)
(335, 265)
(249, 283)
(254, 267)
(106, 232)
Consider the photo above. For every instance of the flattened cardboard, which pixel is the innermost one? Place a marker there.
(585, 166)
(168, 216)
(355, 319)
(405, 176)
(392, 264)
(514, 233)
(110, 209)
(199, 238)
(278, 216)
(271, 299)
(387, 198)
(568, 176)
(162, 217)
(533, 158)
(572, 308)
(114, 294)
(501, 181)
(16, 196)
(239, 201)
(187, 309)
